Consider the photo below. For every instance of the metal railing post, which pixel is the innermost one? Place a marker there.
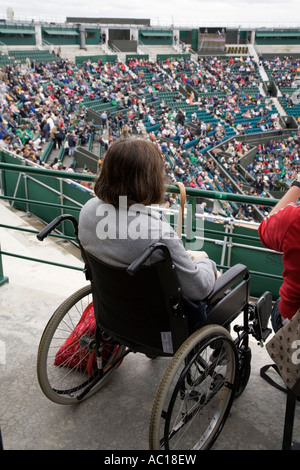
(3, 279)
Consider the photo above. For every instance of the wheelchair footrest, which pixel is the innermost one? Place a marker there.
(266, 333)
(260, 313)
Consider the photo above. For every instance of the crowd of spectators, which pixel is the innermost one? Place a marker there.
(34, 111)
(276, 164)
(283, 70)
(214, 74)
(48, 102)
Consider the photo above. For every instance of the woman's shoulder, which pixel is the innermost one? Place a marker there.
(91, 205)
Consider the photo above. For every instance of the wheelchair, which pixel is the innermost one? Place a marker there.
(140, 309)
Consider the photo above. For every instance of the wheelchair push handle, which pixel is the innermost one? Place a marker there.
(55, 223)
(137, 264)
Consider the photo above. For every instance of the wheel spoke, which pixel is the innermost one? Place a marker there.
(67, 365)
(196, 393)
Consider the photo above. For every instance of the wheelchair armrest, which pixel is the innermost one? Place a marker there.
(227, 280)
(137, 264)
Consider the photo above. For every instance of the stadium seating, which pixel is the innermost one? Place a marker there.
(186, 107)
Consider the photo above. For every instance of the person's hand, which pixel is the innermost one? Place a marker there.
(195, 255)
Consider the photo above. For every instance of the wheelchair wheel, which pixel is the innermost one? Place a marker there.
(66, 362)
(244, 371)
(196, 392)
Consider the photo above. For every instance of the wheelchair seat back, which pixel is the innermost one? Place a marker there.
(142, 310)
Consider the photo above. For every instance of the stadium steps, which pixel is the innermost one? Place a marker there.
(278, 106)
(261, 89)
(153, 51)
(32, 273)
(52, 155)
(71, 52)
(263, 73)
(254, 54)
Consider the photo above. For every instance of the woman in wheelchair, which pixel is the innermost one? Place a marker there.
(118, 225)
(147, 296)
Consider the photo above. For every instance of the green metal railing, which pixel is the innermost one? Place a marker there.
(169, 188)
(220, 240)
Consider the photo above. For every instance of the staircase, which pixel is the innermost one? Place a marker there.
(253, 53)
(278, 106)
(153, 51)
(265, 78)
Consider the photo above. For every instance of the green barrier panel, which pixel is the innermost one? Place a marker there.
(13, 182)
(76, 197)
(36, 191)
(169, 188)
(266, 263)
(39, 184)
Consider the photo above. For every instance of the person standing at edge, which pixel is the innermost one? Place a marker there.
(280, 231)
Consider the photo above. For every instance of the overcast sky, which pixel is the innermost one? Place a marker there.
(190, 12)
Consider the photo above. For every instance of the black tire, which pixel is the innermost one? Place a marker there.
(244, 371)
(196, 392)
(63, 384)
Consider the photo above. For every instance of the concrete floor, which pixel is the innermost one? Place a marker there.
(117, 418)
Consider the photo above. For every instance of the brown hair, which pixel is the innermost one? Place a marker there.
(132, 167)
